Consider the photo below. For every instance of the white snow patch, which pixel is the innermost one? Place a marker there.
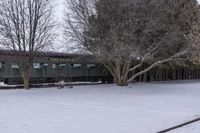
(139, 108)
(2, 84)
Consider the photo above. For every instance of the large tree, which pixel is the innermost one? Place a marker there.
(125, 34)
(25, 29)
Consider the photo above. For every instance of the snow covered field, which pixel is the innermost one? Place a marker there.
(139, 108)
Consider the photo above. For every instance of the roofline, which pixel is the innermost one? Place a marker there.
(43, 53)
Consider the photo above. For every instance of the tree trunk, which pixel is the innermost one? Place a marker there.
(25, 75)
(122, 83)
(26, 83)
(121, 74)
(122, 80)
(145, 77)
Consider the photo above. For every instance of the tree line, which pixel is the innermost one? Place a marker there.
(132, 37)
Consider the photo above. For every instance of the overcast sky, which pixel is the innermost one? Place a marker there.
(59, 9)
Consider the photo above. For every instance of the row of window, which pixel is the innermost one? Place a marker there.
(43, 65)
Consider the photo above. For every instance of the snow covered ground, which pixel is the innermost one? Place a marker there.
(139, 108)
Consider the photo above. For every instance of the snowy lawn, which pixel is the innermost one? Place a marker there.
(139, 108)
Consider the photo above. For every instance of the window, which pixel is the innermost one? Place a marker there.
(36, 65)
(45, 64)
(1, 64)
(62, 65)
(53, 66)
(14, 66)
(77, 65)
(91, 65)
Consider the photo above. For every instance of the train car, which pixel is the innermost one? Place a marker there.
(50, 67)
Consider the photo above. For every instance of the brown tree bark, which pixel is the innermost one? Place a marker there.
(26, 83)
(25, 73)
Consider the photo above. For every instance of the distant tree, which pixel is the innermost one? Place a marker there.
(125, 34)
(194, 40)
(26, 27)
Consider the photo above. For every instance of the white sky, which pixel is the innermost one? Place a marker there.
(59, 9)
(61, 45)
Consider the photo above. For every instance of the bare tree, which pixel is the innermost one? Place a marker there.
(125, 34)
(194, 40)
(26, 27)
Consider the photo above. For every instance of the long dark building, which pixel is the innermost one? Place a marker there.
(50, 67)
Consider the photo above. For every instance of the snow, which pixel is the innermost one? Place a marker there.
(2, 84)
(139, 108)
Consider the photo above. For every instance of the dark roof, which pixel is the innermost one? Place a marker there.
(44, 54)
(77, 57)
